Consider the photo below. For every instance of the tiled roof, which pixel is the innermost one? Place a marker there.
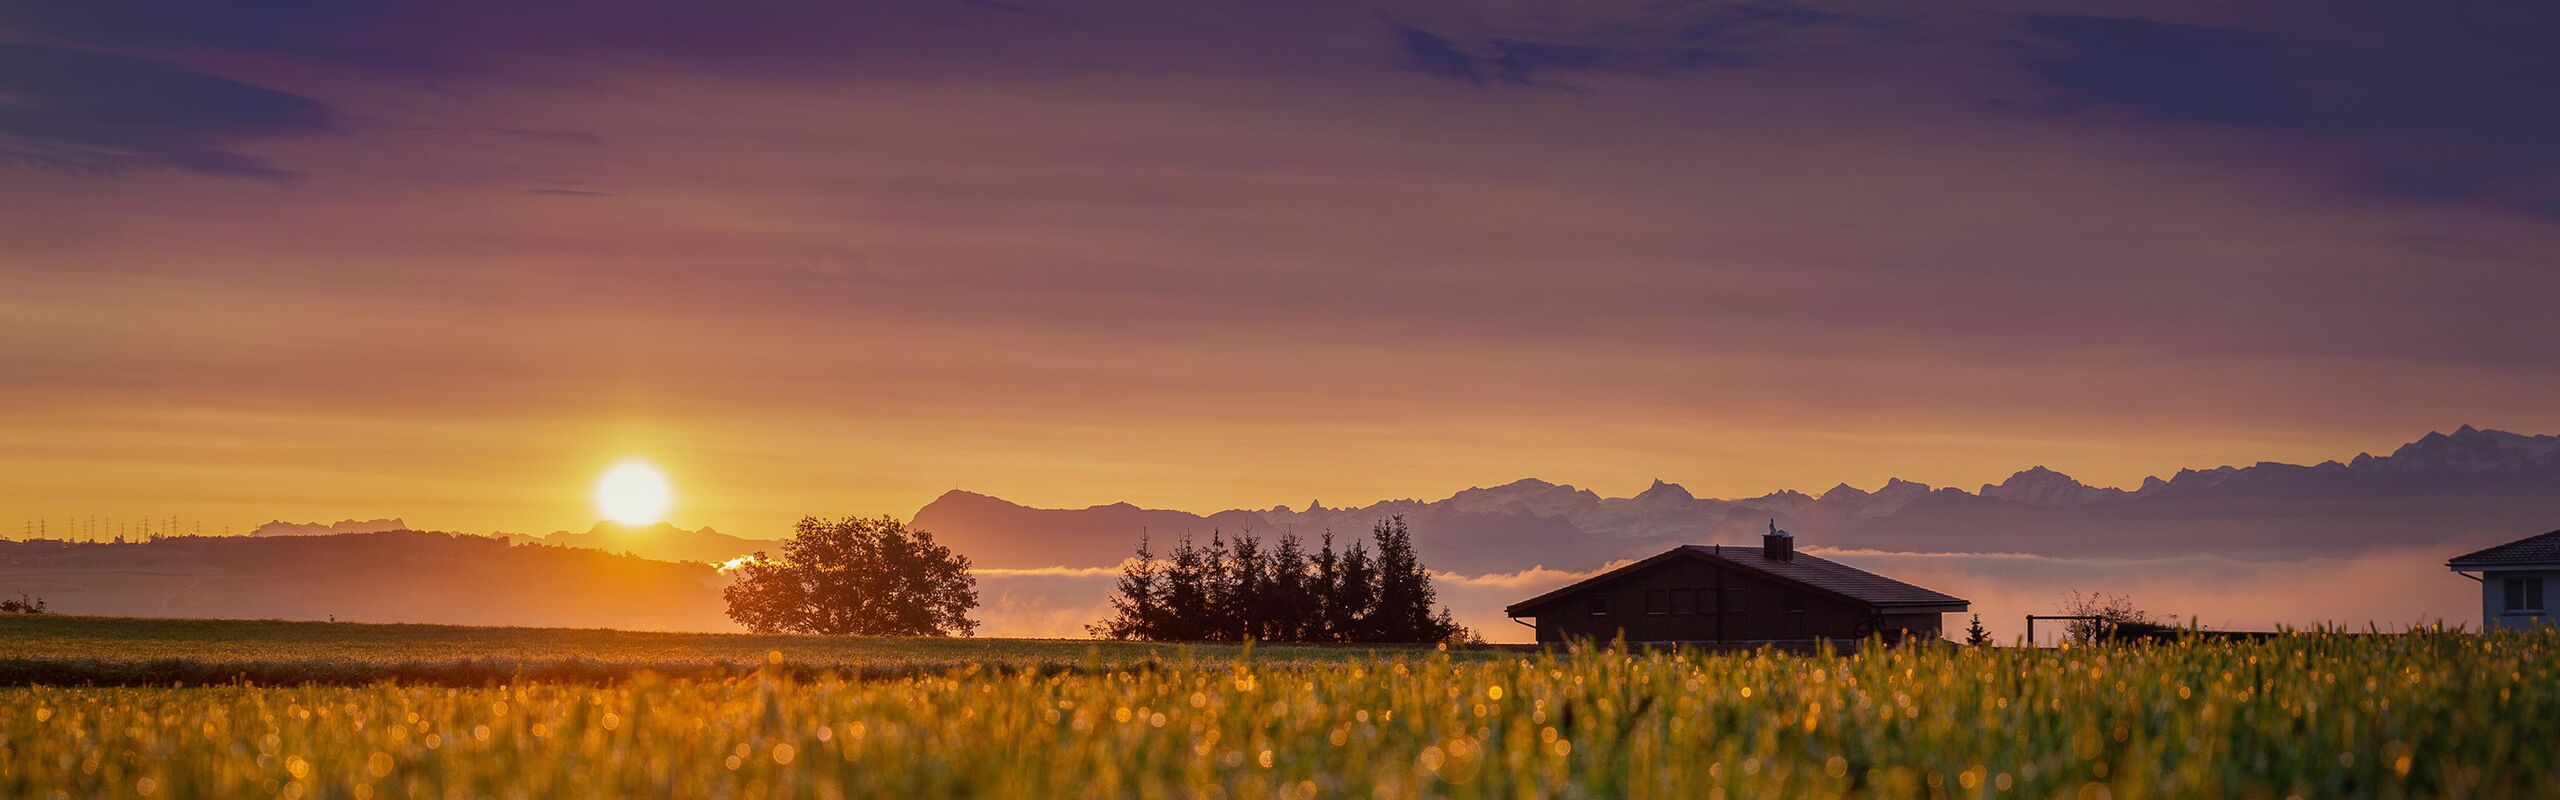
(1810, 571)
(2543, 549)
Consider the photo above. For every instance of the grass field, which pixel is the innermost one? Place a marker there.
(2312, 716)
(63, 650)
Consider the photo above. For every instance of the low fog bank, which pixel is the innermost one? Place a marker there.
(2389, 591)
(443, 578)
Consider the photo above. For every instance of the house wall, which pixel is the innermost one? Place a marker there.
(1770, 610)
(2493, 600)
(1923, 626)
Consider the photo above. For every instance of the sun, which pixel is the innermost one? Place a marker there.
(634, 493)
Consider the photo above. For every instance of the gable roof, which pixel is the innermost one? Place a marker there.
(2528, 551)
(1811, 572)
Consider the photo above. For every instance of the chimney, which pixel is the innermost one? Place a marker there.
(1778, 545)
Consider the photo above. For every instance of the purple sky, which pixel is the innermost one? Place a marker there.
(446, 260)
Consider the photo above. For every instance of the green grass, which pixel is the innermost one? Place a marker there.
(63, 650)
(2428, 715)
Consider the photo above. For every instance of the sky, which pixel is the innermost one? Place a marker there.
(449, 261)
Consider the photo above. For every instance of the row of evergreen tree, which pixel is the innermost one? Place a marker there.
(1240, 588)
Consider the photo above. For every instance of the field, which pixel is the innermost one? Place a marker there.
(2426, 715)
(44, 649)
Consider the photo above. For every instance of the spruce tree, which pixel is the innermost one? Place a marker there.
(1217, 618)
(1354, 597)
(1404, 605)
(1138, 610)
(1248, 581)
(1186, 592)
(1977, 635)
(1239, 588)
(1288, 606)
(1323, 586)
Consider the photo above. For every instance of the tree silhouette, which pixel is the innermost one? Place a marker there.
(1134, 614)
(2113, 611)
(1404, 604)
(1218, 620)
(857, 577)
(1976, 635)
(22, 605)
(1247, 577)
(1287, 605)
(1354, 597)
(1324, 575)
(1185, 603)
(1238, 588)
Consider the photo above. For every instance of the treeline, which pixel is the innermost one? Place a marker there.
(1242, 588)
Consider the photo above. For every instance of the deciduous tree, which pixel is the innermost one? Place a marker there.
(857, 577)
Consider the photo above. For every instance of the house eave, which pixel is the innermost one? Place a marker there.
(1926, 608)
(1957, 607)
(2544, 566)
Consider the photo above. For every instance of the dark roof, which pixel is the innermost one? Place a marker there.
(1812, 572)
(2543, 549)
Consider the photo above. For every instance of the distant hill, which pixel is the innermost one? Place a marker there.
(662, 541)
(283, 528)
(393, 576)
(2443, 486)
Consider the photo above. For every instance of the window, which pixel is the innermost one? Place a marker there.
(1655, 602)
(1599, 606)
(1795, 603)
(1684, 601)
(2524, 595)
(1733, 604)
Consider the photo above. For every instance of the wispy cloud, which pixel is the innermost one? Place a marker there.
(2414, 103)
(108, 113)
(1206, 255)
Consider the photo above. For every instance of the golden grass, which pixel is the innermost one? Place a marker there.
(2313, 715)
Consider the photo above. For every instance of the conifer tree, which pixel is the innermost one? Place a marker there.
(1355, 596)
(1404, 605)
(1186, 594)
(1217, 619)
(1975, 634)
(1323, 584)
(1238, 588)
(1137, 610)
(1247, 580)
(1287, 606)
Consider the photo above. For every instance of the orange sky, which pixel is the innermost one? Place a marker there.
(1211, 259)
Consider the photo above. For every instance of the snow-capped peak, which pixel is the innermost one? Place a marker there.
(2038, 486)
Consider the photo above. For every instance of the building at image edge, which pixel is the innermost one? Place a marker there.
(2513, 577)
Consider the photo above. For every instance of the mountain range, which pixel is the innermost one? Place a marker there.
(662, 541)
(283, 528)
(2445, 492)
(2458, 486)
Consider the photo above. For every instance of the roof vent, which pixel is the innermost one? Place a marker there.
(1778, 545)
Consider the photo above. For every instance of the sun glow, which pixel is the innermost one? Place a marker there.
(634, 493)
